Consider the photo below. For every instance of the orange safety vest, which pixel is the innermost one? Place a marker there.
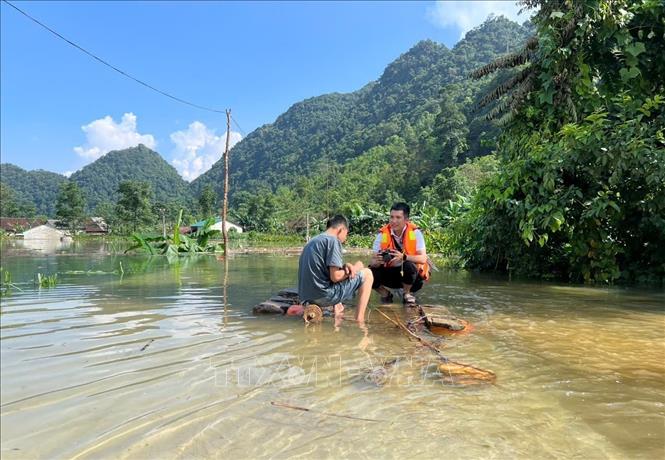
(408, 245)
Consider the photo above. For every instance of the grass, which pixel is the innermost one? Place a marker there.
(47, 281)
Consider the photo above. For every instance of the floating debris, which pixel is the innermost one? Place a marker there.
(452, 372)
(464, 374)
(379, 375)
(441, 322)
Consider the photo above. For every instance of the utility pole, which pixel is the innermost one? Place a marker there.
(307, 227)
(225, 204)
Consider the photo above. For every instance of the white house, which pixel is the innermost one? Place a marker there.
(44, 232)
(230, 227)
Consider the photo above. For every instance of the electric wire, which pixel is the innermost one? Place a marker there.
(97, 58)
(238, 126)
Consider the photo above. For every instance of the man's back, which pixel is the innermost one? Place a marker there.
(320, 253)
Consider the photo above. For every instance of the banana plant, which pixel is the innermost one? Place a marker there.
(178, 244)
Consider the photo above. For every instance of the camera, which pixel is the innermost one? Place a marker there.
(387, 256)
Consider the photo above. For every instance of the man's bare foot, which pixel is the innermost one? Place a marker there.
(338, 309)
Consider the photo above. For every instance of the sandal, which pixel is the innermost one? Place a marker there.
(409, 298)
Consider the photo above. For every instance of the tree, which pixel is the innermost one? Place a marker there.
(8, 205)
(208, 201)
(134, 206)
(451, 129)
(70, 205)
(580, 192)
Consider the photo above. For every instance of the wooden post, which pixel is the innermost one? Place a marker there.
(226, 184)
(307, 227)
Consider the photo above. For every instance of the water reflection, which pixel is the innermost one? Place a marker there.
(167, 361)
(43, 246)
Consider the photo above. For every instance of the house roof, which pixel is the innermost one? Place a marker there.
(14, 224)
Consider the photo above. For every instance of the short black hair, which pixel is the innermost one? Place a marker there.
(336, 221)
(401, 206)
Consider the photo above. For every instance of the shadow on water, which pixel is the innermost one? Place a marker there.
(167, 360)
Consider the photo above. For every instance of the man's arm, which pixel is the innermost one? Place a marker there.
(376, 260)
(347, 271)
(338, 274)
(419, 258)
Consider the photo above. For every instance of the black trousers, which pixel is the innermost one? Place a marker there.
(392, 276)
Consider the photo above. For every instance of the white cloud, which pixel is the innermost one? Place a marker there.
(198, 148)
(104, 135)
(466, 15)
(68, 173)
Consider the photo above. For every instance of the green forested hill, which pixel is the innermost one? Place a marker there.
(99, 180)
(38, 187)
(329, 131)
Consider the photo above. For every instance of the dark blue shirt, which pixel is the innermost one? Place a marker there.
(320, 253)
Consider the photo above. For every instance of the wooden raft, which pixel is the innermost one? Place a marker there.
(278, 304)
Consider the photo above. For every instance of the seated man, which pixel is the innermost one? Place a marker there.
(324, 279)
(400, 259)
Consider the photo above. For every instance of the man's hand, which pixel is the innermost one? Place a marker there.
(377, 260)
(350, 270)
(397, 259)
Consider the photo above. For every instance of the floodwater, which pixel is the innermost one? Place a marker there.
(165, 361)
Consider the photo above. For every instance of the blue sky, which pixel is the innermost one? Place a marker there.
(60, 109)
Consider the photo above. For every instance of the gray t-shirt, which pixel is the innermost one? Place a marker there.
(319, 253)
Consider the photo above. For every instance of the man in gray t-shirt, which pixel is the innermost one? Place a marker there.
(323, 277)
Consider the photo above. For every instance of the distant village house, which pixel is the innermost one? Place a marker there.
(48, 229)
(230, 227)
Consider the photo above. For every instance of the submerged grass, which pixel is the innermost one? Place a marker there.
(46, 281)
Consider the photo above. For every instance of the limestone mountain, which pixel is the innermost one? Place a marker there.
(99, 180)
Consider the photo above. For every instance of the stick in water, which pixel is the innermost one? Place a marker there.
(147, 344)
(305, 409)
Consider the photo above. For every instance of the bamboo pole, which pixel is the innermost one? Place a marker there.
(226, 184)
(405, 329)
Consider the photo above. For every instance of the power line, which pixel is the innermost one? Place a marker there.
(238, 126)
(97, 58)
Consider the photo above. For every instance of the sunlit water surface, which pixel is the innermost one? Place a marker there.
(164, 362)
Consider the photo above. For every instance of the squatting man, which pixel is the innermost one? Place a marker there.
(400, 258)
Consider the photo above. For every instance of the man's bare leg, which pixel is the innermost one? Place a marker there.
(363, 294)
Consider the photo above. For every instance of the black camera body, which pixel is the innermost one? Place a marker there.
(387, 256)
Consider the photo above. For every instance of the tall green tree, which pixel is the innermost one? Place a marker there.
(208, 201)
(452, 129)
(8, 205)
(70, 205)
(134, 207)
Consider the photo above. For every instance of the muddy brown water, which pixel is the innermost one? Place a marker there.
(165, 362)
